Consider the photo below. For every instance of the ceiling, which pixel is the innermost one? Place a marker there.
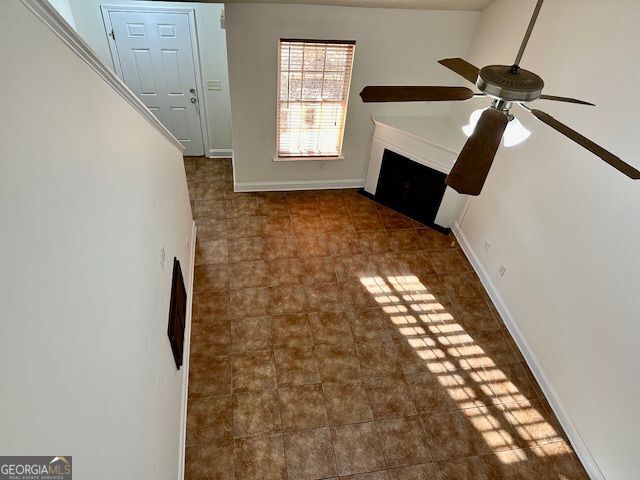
(414, 4)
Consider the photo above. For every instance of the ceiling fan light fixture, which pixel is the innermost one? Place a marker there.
(515, 134)
(505, 86)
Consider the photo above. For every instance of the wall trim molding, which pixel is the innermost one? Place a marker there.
(575, 438)
(297, 185)
(59, 26)
(186, 354)
(220, 153)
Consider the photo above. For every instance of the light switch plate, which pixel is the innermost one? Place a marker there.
(213, 85)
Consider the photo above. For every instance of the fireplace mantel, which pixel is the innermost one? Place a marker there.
(431, 141)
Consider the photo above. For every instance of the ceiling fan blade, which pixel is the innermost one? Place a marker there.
(414, 94)
(565, 99)
(462, 68)
(472, 167)
(583, 141)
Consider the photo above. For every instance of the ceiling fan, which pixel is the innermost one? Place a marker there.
(506, 86)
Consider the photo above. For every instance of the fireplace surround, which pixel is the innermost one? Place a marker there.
(410, 158)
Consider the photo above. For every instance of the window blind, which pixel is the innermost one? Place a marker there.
(313, 92)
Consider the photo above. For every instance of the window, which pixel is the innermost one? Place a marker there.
(313, 91)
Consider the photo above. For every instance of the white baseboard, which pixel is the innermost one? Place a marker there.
(576, 440)
(220, 153)
(185, 355)
(297, 185)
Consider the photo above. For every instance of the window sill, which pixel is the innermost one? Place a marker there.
(306, 159)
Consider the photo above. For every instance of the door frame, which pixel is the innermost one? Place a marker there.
(106, 8)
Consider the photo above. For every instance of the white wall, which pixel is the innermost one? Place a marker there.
(565, 224)
(64, 8)
(211, 43)
(393, 47)
(89, 190)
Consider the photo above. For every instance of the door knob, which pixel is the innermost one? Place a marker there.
(193, 100)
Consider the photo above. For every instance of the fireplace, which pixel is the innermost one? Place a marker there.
(410, 159)
(410, 188)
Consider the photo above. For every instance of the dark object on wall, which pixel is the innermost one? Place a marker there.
(177, 314)
(410, 188)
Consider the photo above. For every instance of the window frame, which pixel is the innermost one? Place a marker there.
(291, 158)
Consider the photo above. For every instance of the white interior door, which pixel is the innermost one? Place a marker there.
(156, 61)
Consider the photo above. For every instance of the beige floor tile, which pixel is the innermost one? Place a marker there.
(302, 407)
(393, 220)
(389, 397)
(310, 454)
(246, 249)
(249, 302)
(405, 241)
(211, 278)
(468, 468)
(210, 307)
(256, 413)
(211, 460)
(434, 240)
(346, 402)
(324, 297)
(292, 330)
(330, 328)
(379, 475)
(509, 465)
(448, 261)
(279, 245)
(211, 252)
(318, 270)
(403, 441)
(284, 271)
(357, 448)
(286, 299)
(378, 358)
(209, 375)
(248, 275)
(338, 363)
(374, 242)
(251, 333)
(211, 337)
(449, 435)
(253, 371)
(370, 323)
(312, 246)
(296, 366)
(260, 458)
(426, 471)
(209, 419)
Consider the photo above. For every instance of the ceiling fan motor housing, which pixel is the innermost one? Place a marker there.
(500, 81)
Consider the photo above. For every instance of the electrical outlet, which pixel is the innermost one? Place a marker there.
(487, 246)
(502, 270)
(163, 256)
(214, 85)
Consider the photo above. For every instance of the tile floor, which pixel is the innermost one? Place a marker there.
(334, 338)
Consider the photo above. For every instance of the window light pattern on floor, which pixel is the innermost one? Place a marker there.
(464, 369)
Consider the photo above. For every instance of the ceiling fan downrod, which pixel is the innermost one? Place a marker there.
(516, 65)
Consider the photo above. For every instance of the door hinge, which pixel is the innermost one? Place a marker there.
(113, 34)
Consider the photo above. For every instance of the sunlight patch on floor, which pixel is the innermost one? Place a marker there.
(505, 419)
